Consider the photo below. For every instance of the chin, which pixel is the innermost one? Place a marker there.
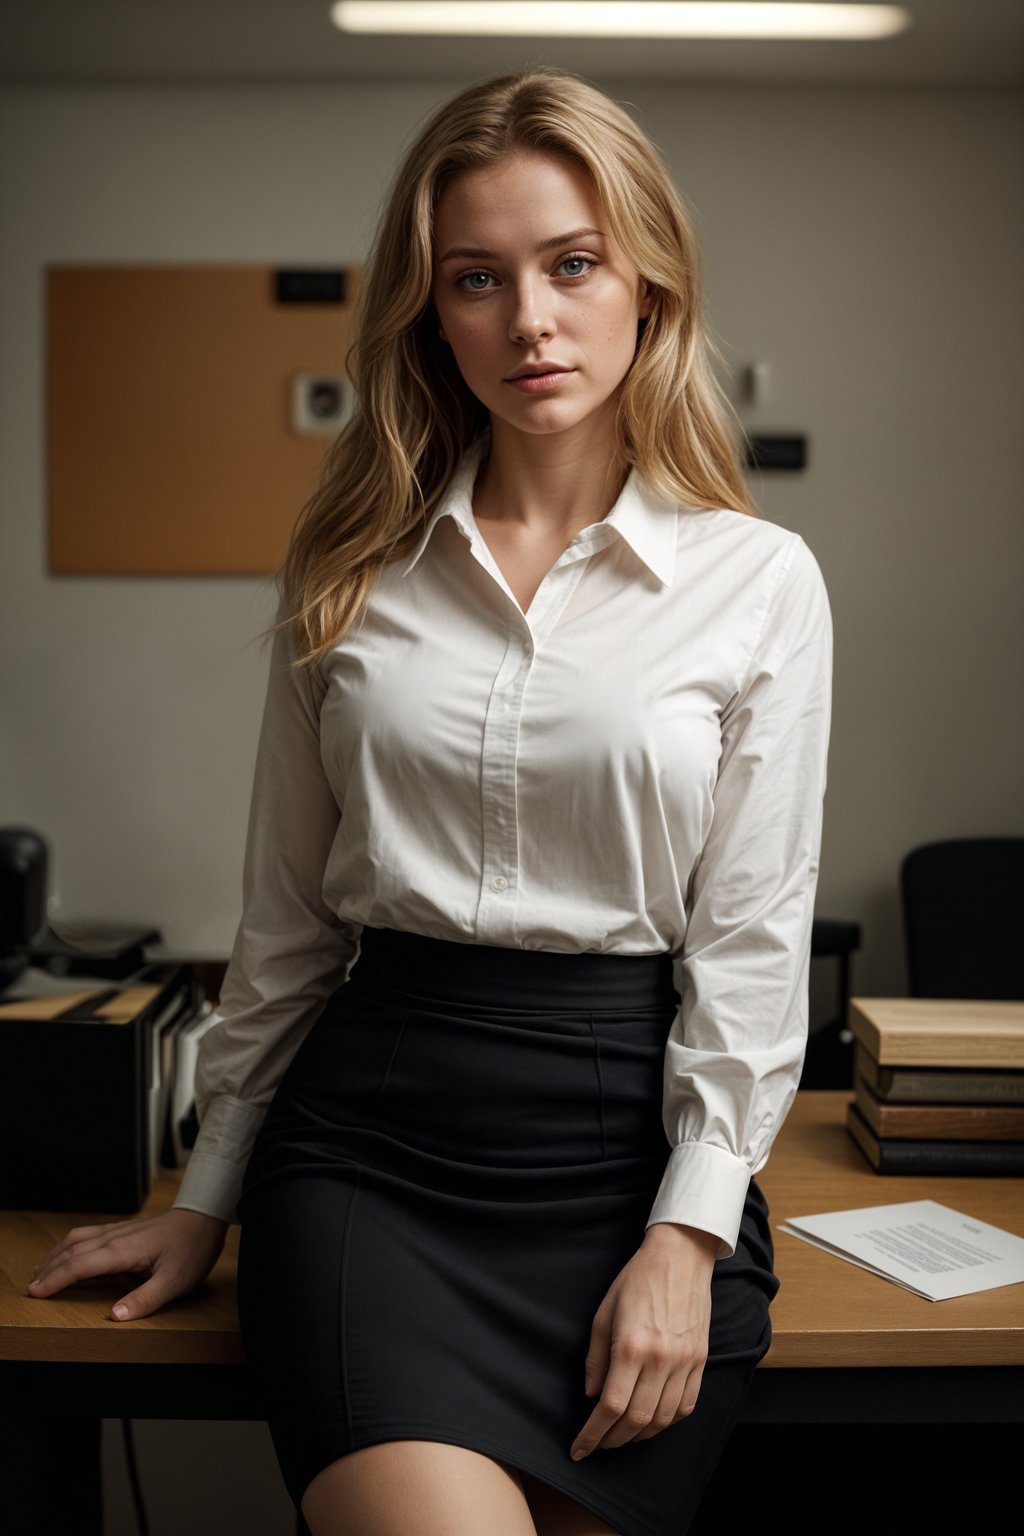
(539, 415)
(551, 421)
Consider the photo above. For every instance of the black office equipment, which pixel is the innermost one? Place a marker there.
(963, 918)
(828, 1062)
(24, 860)
(78, 1090)
(85, 1073)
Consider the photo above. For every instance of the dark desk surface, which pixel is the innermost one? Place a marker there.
(828, 1313)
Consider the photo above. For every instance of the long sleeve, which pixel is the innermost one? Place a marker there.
(736, 1047)
(290, 950)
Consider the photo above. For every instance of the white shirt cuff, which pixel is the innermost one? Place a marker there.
(211, 1186)
(212, 1178)
(704, 1186)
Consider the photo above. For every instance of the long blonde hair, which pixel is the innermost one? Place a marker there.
(390, 464)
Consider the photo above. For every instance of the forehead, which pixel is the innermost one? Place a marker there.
(525, 190)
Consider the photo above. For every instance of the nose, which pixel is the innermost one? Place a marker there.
(531, 317)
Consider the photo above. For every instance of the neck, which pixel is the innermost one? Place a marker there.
(551, 483)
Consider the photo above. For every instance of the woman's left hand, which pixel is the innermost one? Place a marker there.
(649, 1341)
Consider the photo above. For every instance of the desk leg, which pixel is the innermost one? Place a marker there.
(53, 1483)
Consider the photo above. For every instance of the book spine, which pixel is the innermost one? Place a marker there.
(988, 1159)
(937, 1085)
(984, 1159)
(940, 1122)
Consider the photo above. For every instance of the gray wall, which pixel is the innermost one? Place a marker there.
(865, 243)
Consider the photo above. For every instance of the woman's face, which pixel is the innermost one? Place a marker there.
(516, 283)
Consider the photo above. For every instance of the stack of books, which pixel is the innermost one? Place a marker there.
(938, 1085)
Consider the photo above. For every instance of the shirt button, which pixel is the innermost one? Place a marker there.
(499, 882)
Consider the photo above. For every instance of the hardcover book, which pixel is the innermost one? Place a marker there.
(940, 1032)
(940, 1122)
(987, 1159)
(937, 1085)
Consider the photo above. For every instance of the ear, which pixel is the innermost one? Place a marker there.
(646, 302)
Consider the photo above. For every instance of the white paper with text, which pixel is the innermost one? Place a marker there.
(926, 1247)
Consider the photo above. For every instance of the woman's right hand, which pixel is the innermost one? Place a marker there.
(176, 1250)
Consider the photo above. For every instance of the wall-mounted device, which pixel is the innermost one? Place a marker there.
(777, 450)
(321, 403)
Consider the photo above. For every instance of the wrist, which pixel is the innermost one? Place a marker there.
(202, 1216)
(678, 1235)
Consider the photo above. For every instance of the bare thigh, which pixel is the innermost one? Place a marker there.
(426, 1486)
(438, 1489)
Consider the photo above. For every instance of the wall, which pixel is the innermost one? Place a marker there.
(866, 243)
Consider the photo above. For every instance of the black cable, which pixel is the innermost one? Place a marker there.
(141, 1518)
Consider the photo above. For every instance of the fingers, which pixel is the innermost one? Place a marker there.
(86, 1257)
(641, 1397)
(160, 1288)
(76, 1235)
(173, 1252)
(677, 1401)
(598, 1356)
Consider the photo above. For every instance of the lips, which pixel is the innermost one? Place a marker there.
(534, 369)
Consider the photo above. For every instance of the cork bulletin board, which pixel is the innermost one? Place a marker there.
(189, 409)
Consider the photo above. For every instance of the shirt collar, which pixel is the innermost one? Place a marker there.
(640, 516)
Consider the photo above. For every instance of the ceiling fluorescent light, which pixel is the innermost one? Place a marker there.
(602, 18)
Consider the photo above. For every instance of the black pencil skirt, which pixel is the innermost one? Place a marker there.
(457, 1163)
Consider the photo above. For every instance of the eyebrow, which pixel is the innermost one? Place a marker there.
(545, 245)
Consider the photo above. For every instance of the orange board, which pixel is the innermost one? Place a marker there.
(172, 447)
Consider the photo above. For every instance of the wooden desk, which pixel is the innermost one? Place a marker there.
(832, 1313)
(828, 1313)
(849, 1347)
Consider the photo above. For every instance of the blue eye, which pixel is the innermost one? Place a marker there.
(465, 275)
(479, 281)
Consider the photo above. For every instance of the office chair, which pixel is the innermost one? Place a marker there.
(828, 1062)
(963, 918)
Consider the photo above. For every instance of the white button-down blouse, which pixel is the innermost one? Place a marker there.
(636, 764)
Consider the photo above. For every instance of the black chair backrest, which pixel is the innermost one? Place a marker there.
(963, 918)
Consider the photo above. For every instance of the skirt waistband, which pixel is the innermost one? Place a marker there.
(490, 975)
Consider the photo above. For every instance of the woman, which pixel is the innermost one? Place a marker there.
(534, 840)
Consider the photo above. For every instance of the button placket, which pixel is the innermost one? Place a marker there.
(498, 767)
(500, 816)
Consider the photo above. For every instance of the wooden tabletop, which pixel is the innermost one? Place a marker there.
(827, 1313)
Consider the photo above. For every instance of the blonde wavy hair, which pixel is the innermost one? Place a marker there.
(390, 464)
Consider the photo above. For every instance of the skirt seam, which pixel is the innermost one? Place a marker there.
(346, 1244)
(380, 993)
(600, 1084)
(393, 1053)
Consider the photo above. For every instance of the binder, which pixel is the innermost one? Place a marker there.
(80, 1084)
